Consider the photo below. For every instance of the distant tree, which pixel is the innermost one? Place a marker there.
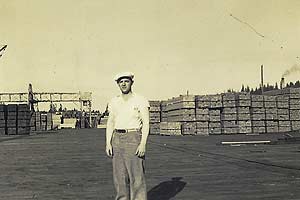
(291, 84)
(297, 84)
(276, 86)
(243, 88)
(247, 88)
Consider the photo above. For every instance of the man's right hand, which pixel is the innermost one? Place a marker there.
(109, 150)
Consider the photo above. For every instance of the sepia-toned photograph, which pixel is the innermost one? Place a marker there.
(149, 99)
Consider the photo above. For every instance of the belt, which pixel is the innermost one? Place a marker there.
(126, 130)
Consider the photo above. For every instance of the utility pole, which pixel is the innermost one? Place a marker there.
(262, 78)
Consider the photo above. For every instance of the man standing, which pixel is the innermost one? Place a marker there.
(126, 137)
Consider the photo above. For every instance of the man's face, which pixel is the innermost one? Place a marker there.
(125, 85)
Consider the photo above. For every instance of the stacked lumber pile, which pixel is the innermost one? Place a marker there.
(2, 119)
(257, 113)
(154, 114)
(229, 114)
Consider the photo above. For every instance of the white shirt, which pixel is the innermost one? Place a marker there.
(126, 114)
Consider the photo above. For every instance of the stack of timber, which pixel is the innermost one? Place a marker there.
(12, 111)
(2, 119)
(154, 114)
(229, 114)
(38, 122)
(202, 114)
(283, 113)
(243, 112)
(189, 128)
(271, 114)
(49, 124)
(43, 121)
(182, 109)
(23, 122)
(214, 112)
(164, 112)
(258, 114)
(170, 128)
(32, 122)
(294, 108)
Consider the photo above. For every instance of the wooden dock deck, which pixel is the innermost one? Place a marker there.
(71, 164)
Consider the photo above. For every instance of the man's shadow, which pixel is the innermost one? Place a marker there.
(167, 189)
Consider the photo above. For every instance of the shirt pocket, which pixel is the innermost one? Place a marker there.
(135, 111)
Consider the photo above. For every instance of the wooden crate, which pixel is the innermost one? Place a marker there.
(12, 108)
(295, 125)
(2, 108)
(182, 112)
(215, 115)
(270, 123)
(256, 117)
(181, 118)
(2, 115)
(170, 128)
(231, 130)
(229, 124)
(257, 104)
(200, 117)
(294, 107)
(229, 103)
(189, 128)
(294, 114)
(284, 129)
(243, 117)
(2, 131)
(11, 123)
(11, 130)
(243, 110)
(270, 104)
(215, 101)
(257, 98)
(257, 110)
(228, 117)
(202, 111)
(272, 129)
(259, 123)
(154, 128)
(258, 129)
(244, 103)
(23, 108)
(214, 118)
(228, 97)
(245, 130)
(23, 130)
(202, 101)
(215, 131)
(202, 131)
(23, 122)
(243, 96)
(2, 123)
(229, 110)
(200, 125)
(154, 117)
(271, 114)
(245, 126)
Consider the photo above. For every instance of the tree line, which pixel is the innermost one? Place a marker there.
(266, 87)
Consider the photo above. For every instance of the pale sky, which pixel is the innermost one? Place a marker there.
(170, 45)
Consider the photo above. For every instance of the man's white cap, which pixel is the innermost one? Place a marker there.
(123, 75)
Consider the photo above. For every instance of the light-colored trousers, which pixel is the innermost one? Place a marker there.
(128, 168)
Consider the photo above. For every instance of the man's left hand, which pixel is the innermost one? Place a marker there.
(140, 151)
